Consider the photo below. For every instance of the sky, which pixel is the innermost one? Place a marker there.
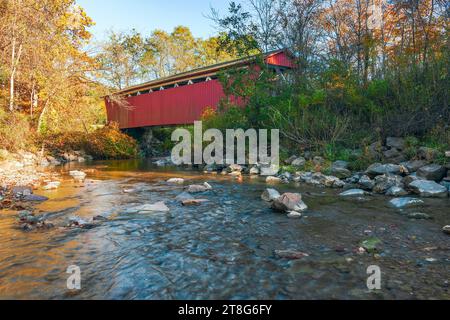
(147, 15)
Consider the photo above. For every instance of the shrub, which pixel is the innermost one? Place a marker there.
(15, 131)
(105, 143)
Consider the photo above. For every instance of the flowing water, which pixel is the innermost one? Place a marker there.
(223, 249)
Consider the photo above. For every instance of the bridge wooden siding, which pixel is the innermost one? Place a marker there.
(180, 99)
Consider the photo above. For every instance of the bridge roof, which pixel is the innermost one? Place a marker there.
(203, 71)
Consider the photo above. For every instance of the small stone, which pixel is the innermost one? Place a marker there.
(199, 188)
(294, 215)
(78, 175)
(406, 202)
(353, 193)
(100, 218)
(396, 192)
(156, 207)
(419, 216)
(175, 181)
(446, 229)
(270, 195)
(35, 198)
(52, 185)
(194, 202)
(290, 254)
(447, 154)
(318, 161)
(273, 179)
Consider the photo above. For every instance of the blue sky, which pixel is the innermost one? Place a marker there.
(147, 15)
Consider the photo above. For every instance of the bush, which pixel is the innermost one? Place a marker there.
(105, 143)
(15, 131)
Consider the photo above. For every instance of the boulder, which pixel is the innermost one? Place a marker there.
(299, 162)
(340, 172)
(289, 202)
(353, 193)
(366, 183)
(340, 164)
(406, 202)
(269, 170)
(428, 154)
(386, 181)
(397, 143)
(378, 169)
(270, 195)
(414, 165)
(433, 172)
(396, 192)
(447, 154)
(175, 181)
(429, 189)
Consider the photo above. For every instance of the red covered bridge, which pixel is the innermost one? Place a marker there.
(182, 98)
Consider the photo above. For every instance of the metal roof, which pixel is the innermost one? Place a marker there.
(212, 69)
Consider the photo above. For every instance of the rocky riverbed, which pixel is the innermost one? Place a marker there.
(143, 232)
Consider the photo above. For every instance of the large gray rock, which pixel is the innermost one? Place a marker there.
(299, 162)
(406, 202)
(397, 143)
(340, 172)
(340, 164)
(384, 182)
(378, 169)
(414, 165)
(429, 189)
(270, 195)
(269, 170)
(289, 202)
(433, 172)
